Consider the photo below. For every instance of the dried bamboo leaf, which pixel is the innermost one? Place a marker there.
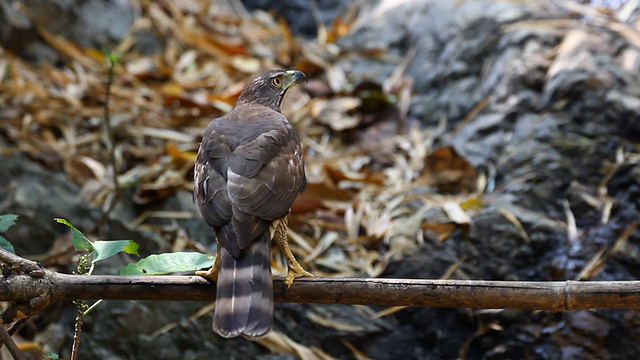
(514, 220)
(333, 324)
(359, 355)
(278, 342)
(67, 48)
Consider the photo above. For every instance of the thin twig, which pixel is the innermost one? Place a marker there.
(83, 270)
(11, 346)
(110, 140)
(77, 330)
(16, 326)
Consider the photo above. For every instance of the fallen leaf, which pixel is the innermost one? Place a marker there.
(448, 171)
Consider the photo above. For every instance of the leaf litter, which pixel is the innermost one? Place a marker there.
(377, 186)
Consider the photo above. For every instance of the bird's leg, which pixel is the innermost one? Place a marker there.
(212, 273)
(280, 236)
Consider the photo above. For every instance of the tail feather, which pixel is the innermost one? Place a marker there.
(244, 295)
(261, 308)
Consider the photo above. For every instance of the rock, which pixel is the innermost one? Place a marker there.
(97, 24)
(299, 14)
(454, 42)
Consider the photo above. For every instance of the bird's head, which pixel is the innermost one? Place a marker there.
(269, 88)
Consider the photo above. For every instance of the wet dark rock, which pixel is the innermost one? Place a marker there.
(90, 24)
(453, 43)
(135, 322)
(37, 195)
(299, 13)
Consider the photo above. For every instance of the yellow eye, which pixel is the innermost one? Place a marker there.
(276, 82)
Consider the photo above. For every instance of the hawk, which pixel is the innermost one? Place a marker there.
(248, 172)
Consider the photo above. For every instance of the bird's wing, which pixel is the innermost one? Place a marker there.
(264, 177)
(210, 178)
(248, 176)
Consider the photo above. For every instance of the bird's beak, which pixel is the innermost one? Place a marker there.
(294, 77)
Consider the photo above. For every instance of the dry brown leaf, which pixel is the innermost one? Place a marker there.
(514, 220)
(180, 158)
(339, 174)
(337, 113)
(359, 355)
(247, 65)
(455, 213)
(323, 244)
(597, 263)
(287, 46)
(333, 324)
(278, 342)
(67, 48)
(553, 25)
(442, 231)
(83, 168)
(388, 311)
(146, 193)
(316, 194)
(448, 171)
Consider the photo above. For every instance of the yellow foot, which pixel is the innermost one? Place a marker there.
(292, 274)
(212, 273)
(279, 234)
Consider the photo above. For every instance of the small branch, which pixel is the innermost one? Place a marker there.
(82, 306)
(17, 326)
(14, 263)
(110, 140)
(11, 346)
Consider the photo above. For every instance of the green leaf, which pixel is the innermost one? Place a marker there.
(79, 241)
(112, 57)
(6, 221)
(132, 248)
(168, 263)
(5, 244)
(106, 249)
(53, 356)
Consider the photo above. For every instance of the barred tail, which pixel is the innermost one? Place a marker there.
(244, 295)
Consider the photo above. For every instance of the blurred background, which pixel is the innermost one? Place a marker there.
(485, 139)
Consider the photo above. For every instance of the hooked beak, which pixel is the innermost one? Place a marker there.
(295, 77)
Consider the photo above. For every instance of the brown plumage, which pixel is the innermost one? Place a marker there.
(248, 172)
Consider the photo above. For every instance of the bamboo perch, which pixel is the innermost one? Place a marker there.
(26, 283)
(479, 294)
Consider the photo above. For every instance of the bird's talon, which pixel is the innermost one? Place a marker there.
(211, 274)
(294, 274)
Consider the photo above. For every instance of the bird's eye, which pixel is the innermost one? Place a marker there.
(276, 82)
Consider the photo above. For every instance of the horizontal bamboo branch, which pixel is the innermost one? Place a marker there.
(530, 295)
(32, 287)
